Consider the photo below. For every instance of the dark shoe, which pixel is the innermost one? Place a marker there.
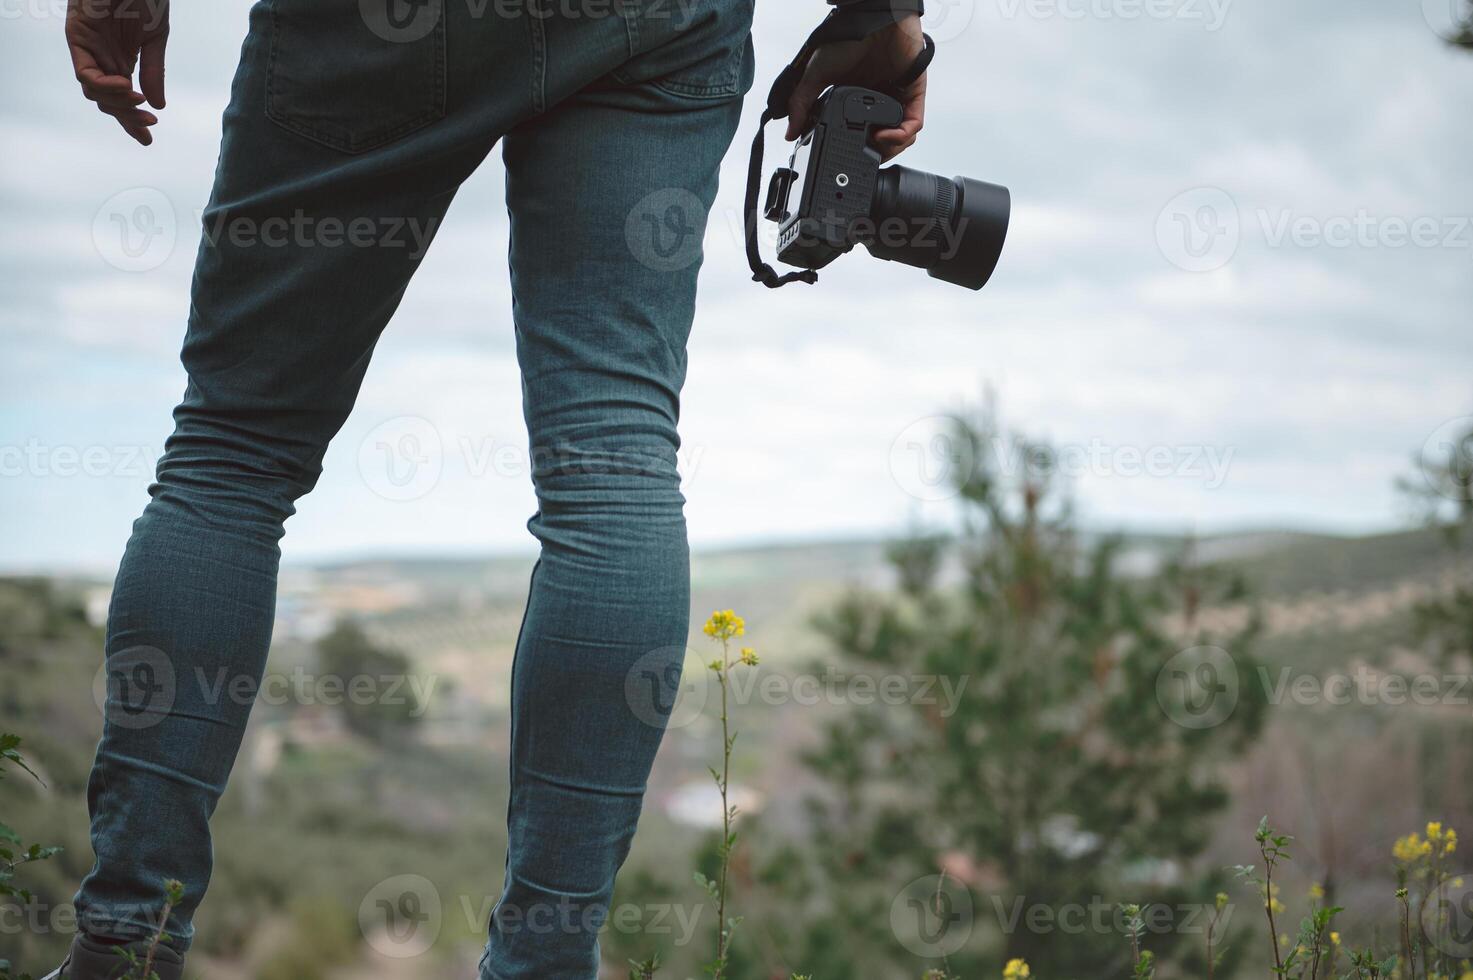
(90, 960)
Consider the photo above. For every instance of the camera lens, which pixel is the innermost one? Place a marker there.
(954, 229)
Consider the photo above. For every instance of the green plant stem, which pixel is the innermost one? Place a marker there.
(1268, 907)
(721, 935)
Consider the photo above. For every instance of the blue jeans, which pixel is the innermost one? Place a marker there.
(349, 129)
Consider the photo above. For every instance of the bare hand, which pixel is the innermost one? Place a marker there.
(108, 39)
(875, 62)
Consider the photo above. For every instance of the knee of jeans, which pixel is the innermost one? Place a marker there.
(622, 496)
(234, 480)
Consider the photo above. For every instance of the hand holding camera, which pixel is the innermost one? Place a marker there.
(873, 62)
(854, 98)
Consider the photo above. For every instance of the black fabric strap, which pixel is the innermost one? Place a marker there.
(761, 271)
(851, 20)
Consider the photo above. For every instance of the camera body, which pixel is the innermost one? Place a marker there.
(955, 229)
(839, 186)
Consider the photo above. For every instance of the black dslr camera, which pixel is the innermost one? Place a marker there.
(954, 228)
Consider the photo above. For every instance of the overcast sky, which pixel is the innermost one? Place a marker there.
(1236, 290)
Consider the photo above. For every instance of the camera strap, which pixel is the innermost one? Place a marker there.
(852, 21)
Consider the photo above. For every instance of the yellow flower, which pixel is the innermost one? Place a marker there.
(1316, 892)
(1335, 938)
(1412, 846)
(1016, 970)
(1271, 901)
(723, 625)
(1434, 830)
(749, 656)
(1451, 843)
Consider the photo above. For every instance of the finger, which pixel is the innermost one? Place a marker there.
(142, 134)
(133, 117)
(136, 127)
(151, 70)
(905, 133)
(890, 154)
(904, 136)
(115, 99)
(800, 107)
(96, 83)
(135, 122)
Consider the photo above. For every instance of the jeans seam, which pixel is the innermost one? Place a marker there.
(539, 57)
(631, 27)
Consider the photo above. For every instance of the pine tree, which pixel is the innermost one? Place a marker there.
(1070, 772)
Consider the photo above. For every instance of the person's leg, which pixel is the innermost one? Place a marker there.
(609, 193)
(335, 169)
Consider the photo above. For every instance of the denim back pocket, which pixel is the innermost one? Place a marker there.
(356, 74)
(697, 50)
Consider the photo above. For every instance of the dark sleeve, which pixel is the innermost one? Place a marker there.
(881, 6)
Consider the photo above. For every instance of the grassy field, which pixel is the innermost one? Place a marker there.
(317, 818)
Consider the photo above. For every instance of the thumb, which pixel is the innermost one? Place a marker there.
(151, 69)
(810, 87)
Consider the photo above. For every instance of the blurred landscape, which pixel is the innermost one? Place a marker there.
(329, 806)
(1013, 735)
